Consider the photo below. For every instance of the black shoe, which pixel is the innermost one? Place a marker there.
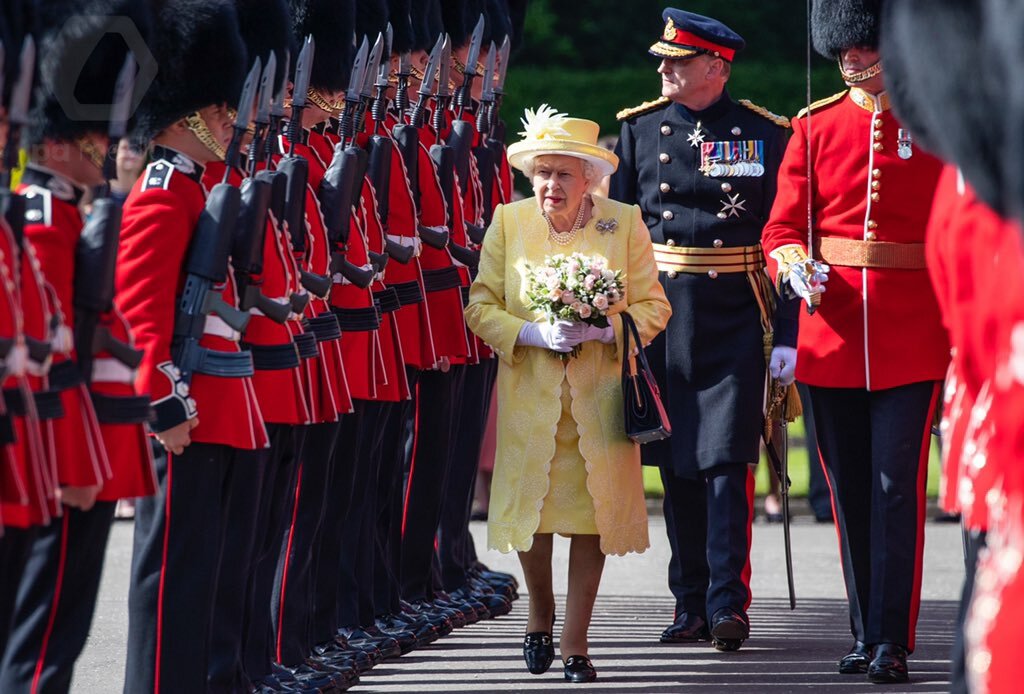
(405, 638)
(889, 666)
(539, 650)
(728, 630)
(856, 661)
(423, 610)
(360, 639)
(686, 629)
(339, 651)
(579, 669)
(421, 630)
(343, 673)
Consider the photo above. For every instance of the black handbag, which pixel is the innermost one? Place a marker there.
(645, 416)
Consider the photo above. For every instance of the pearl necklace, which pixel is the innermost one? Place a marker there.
(564, 238)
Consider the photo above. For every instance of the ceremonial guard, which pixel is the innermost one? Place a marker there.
(58, 590)
(870, 191)
(207, 417)
(702, 168)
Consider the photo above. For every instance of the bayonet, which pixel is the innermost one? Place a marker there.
(426, 84)
(367, 87)
(443, 95)
(241, 124)
(402, 91)
(346, 123)
(506, 47)
(464, 96)
(264, 108)
(486, 93)
(300, 86)
(380, 100)
(120, 109)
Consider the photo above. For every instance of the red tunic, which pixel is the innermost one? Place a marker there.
(52, 226)
(876, 328)
(159, 218)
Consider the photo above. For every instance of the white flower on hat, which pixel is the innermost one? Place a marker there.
(544, 123)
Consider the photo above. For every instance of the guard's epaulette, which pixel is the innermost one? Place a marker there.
(158, 175)
(642, 108)
(780, 121)
(38, 206)
(822, 102)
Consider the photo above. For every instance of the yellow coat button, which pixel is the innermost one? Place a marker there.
(875, 197)
(878, 123)
(879, 134)
(878, 146)
(877, 173)
(870, 236)
(872, 224)
(876, 185)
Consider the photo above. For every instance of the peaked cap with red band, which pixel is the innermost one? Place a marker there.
(688, 34)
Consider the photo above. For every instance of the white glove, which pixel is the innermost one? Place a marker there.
(603, 335)
(560, 336)
(808, 280)
(782, 365)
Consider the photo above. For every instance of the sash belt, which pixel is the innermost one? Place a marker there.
(121, 409)
(305, 343)
(702, 261)
(274, 357)
(325, 327)
(439, 280)
(874, 254)
(409, 293)
(357, 320)
(387, 300)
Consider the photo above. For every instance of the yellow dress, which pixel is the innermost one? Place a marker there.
(563, 462)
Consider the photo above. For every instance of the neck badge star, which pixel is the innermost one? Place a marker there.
(733, 207)
(696, 138)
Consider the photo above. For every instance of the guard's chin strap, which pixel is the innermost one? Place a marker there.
(852, 78)
(197, 125)
(94, 154)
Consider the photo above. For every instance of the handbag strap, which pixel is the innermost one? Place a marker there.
(629, 328)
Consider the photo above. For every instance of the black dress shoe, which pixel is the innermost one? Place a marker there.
(856, 661)
(889, 666)
(728, 630)
(579, 669)
(359, 638)
(539, 650)
(686, 629)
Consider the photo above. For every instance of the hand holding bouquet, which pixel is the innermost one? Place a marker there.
(575, 288)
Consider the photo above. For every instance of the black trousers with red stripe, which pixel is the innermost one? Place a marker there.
(359, 530)
(327, 556)
(15, 547)
(292, 603)
(387, 588)
(273, 517)
(237, 563)
(454, 550)
(708, 523)
(437, 407)
(179, 537)
(874, 447)
(56, 600)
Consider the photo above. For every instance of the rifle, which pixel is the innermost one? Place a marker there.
(96, 250)
(463, 96)
(206, 267)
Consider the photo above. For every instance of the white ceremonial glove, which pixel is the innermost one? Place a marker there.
(782, 365)
(560, 336)
(808, 280)
(602, 335)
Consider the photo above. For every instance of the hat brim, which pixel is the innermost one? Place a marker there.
(662, 49)
(605, 161)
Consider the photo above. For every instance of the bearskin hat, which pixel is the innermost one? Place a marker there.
(266, 28)
(1003, 22)
(427, 23)
(401, 25)
(332, 25)
(498, 24)
(840, 24)
(460, 18)
(202, 62)
(947, 110)
(371, 18)
(82, 45)
(517, 13)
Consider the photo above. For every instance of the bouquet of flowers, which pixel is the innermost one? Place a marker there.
(576, 288)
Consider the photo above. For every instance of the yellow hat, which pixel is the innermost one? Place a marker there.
(549, 132)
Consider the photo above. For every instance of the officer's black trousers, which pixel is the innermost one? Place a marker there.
(358, 544)
(292, 604)
(974, 542)
(708, 522)
(15, 547)
(874, 446)
(387, 592)
(454, 540)
(56, 600)
(327, 555)
(179, 533)
(437, 406)
(238, 559)
(273, 515)
(817, 489)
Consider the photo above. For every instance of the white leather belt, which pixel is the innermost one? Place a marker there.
(215, 325)
(413, 242)
(109, 370)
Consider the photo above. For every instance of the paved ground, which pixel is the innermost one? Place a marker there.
(788, 651)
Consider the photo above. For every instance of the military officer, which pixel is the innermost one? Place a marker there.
(871, 192)
(702, 168)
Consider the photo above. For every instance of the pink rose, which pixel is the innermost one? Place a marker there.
(576, 306)
(552, 283)
(585, 311)
(588, 282)
(555, 294)
(573, 267)
(601, 302)
(568, 297)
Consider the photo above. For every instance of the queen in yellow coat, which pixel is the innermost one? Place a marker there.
(563, 463)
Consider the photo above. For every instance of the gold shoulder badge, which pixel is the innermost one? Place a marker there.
(780, 121)
(822, 102)
(642, 108)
